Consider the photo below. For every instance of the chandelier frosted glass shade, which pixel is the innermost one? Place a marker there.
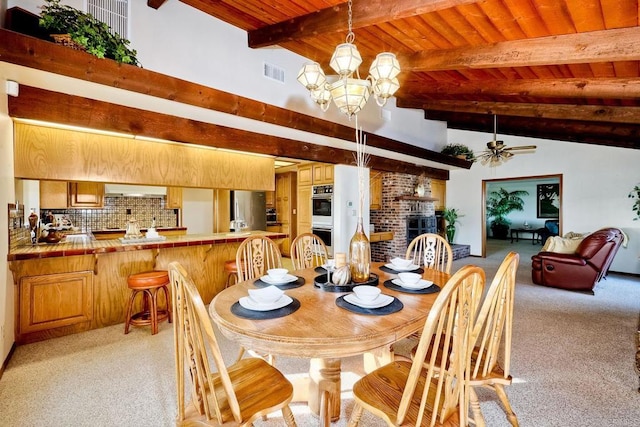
(385, 66)
(350, 95)
(346, 59)
(311, 76)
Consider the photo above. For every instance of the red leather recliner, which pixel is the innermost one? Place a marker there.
(582, 270)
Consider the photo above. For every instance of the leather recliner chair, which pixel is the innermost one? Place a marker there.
(583, 269)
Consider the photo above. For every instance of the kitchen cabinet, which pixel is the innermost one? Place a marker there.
(86, 194)
(286, 208)
(55, 300)
(270, 199)
(305, 174)
(174, 197)
(53, 194)
(381, 236)
(304, 209)
(375, 190)
(439, 191)
(322, 174)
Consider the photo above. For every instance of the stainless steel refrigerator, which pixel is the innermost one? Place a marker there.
(248, 211)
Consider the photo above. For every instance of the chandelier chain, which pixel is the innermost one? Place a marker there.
(351, 37)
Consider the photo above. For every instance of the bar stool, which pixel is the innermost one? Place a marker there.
(231, 268)
(149, 283)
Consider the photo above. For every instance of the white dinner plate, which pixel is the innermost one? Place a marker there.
(411, 267)
(250, 304)
(288, 278)
(422, 284)
(380, 301)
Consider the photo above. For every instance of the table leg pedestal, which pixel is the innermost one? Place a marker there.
(377, 358)
(324, 389)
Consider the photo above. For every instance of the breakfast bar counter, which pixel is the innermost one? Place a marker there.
(65, 288)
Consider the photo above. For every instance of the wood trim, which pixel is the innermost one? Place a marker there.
(155, 3)
(42, 55)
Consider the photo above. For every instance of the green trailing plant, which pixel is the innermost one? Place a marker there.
(458, 150)
(93, 35)
(500, 204)
(635, 194)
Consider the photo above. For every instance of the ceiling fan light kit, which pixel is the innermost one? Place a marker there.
(497, 153)
(350, 93)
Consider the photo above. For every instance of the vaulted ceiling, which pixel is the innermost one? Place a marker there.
(558, 69)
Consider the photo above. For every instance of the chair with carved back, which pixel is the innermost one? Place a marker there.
(308, 250)
(431, 251)
(234, 395)
(407, 393)
(255, 256)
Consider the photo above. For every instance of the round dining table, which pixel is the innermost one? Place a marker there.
(324, 331)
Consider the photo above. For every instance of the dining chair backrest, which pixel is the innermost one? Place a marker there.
(255, 256)
(307, 251)
(192, 331)
(432, 251)
(495, 321)
(446, 342)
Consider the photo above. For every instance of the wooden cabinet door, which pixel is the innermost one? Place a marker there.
(86, 194)
(305, 175)
(322, 174)
(53, 194)
(304, 209)
(55, 300)
(439, 191)
(375, 190)
(174, 197)
(328, 174)
(270, 199)
(283, 198)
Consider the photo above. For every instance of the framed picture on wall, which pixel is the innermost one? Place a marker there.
(548, 200)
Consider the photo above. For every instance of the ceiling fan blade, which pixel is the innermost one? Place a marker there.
(521, 147)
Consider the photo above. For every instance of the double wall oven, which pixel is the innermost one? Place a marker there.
(322, 214)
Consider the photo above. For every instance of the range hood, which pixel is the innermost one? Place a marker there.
(124, 190)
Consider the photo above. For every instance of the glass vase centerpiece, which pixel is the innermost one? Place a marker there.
(360, 247)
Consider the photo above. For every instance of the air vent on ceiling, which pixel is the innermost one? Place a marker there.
(114, 13)
(273, 72)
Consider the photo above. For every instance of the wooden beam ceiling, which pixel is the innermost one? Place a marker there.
(155, 3)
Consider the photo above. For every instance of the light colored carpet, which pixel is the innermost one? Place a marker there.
(573, 364)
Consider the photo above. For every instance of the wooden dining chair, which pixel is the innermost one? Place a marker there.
(405, 393)
(494, 323)
(308, 250)
(255, 256)
(431, 251)
(235, 395)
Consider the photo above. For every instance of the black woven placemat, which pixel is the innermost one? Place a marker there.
(395, 306)
(392, 271)
(284, 286)
(320, 270)
(430, 290)
(321, 282)
(245, 313)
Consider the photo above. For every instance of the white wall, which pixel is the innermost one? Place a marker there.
(197, 210)
(596, 182)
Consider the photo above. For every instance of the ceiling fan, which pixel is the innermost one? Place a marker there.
(497, 153)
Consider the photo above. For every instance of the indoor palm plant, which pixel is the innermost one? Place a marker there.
(500, 204)
(635, 194)
(451, 215)
(87, 32)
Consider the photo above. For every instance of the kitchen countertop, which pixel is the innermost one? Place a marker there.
(123, 230)
(44, 250)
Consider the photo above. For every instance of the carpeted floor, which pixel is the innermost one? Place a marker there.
(573, 364)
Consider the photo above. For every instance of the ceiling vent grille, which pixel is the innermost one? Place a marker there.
(273, 72)
(114, 13)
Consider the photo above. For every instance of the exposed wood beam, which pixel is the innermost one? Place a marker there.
(30, 52)
(625, 136)
(597, 46)
(332, 19)
(614, 88)
(596, 113)
(40, 104)
(155, 3)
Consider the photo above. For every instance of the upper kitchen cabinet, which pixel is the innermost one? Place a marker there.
(270, 199)
(54, 194)
(86, 194)
(174, 198)
(375, 190)
(322, 173)
(439, 191)
(305, 174)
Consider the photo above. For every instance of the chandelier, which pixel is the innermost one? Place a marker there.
(350, 93)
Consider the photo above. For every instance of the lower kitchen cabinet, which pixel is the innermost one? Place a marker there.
(55, 300)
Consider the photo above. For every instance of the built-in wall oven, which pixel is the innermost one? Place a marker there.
(322, 214)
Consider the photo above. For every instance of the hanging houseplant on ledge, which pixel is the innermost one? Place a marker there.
(500, 204)
(459, 150)
(86, 32)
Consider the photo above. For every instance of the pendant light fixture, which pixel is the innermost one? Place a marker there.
(349, 92)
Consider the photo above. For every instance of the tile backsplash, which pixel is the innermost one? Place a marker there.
(117, 211)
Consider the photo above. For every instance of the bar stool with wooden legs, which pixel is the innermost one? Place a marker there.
(231, 268)
(148, 283)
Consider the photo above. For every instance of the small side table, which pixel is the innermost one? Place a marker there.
(535, 234)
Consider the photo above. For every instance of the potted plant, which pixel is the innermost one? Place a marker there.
(500, 204)
(87, 32)
(451, 215)
(635, 194)
(459, 150)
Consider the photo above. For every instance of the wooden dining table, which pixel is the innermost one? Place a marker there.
(324, 332)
